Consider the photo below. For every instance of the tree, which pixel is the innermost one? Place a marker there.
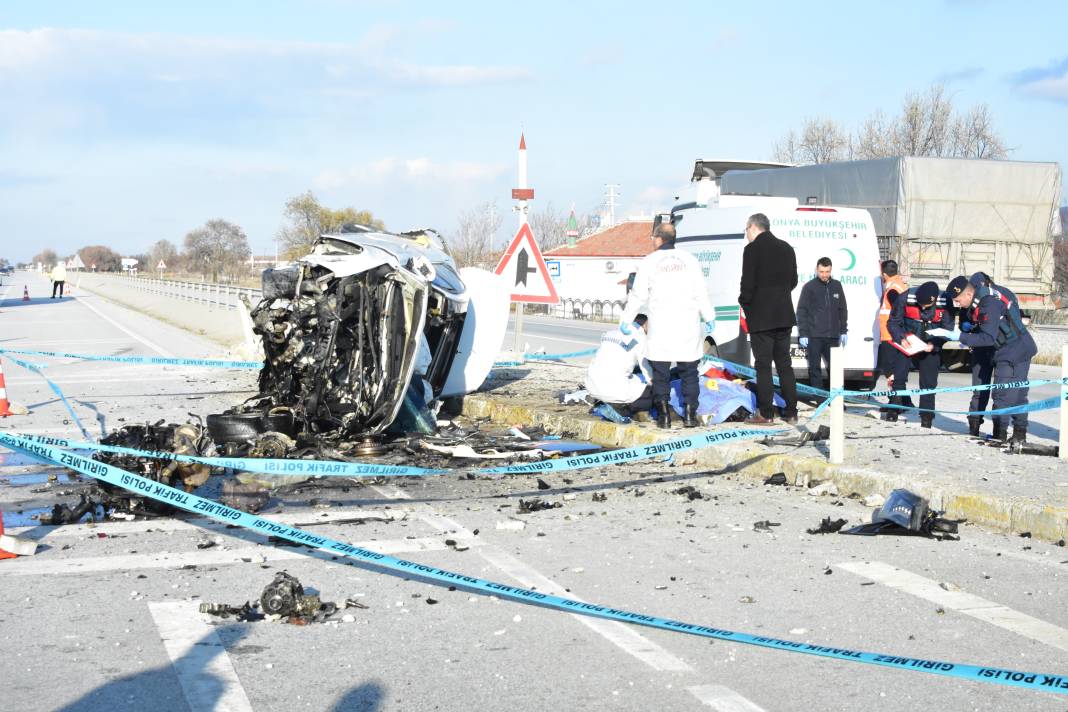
(471, 244)
(216, 248)
(821, 141)
(104, 258)
(549, 227)
(928, 125)
(162, 250)
(46, 257)
(308, 219)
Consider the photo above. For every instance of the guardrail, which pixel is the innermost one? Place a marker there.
(212, 294)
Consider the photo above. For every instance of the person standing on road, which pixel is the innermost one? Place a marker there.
(59, 277)
(670, 285)
(822, 319)
(769, 275)
(886, 362)
(619, 377)
(981, 357)
(995, 311)
(921, 312)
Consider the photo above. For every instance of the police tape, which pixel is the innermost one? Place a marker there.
(559, 357)
(141, 360)
(1056, 683)
(330, 468)
(55, 389)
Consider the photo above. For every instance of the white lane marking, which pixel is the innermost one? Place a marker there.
(158, 349)
(619, 634)
(24, 566)
(42, 532)
(723, 699)
(204, 669)
(966, 603)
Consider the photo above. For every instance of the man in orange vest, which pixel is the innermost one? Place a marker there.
(893, 286)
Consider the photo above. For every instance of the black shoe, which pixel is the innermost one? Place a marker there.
(1019, 435)
(690, 420)
(663, 414)
(974, 424)
(790, 419)
(1001, 431)
(926, 423)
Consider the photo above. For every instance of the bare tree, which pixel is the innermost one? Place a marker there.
(928, 125)
(163, 250)
(822, 140)
(549, 226)
(472, 242)
(47, 257)
(100, 258)
(216, 248)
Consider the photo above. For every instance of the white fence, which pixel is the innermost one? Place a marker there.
(223, 296)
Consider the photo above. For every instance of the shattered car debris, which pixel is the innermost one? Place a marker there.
(367, 323)
(283, 599)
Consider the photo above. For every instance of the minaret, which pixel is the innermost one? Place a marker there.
(522, 193)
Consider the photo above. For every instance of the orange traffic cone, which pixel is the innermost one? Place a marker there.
(5, 406)
(4, 554)
(25, 293)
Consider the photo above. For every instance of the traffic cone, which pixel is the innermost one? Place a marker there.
(5, 406)
(4, 554)
(25, 293)
(11, 547)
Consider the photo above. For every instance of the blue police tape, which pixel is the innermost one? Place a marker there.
(559, 357)
(1055, 683)
(142, 360)
(55, 389)
(329, 468)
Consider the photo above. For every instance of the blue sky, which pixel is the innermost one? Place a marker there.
(122, 123)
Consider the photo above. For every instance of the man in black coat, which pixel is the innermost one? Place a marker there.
(769, 275)
(822, 318)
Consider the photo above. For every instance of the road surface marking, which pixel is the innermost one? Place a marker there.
(966, 603)
(723, 699)
(158, 349)
(204, 669)
(36, 566)
(619, 634)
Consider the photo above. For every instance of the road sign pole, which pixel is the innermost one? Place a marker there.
(518, 344)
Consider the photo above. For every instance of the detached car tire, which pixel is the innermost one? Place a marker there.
(240, 427)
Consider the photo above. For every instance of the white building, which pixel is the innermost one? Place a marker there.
(591, 275)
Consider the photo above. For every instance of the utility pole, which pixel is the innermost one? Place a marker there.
(610, 196)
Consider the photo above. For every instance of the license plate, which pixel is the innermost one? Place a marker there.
(798, 352)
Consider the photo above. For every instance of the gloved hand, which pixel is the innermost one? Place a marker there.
(944, 334)
(710, 326)
(967, 327)
(843, 339)
(803, 342)
(626, 327)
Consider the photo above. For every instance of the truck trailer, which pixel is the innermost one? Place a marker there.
(938, 217)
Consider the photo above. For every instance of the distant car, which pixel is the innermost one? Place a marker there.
(347, 327)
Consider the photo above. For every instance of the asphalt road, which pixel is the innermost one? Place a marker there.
(104, 617)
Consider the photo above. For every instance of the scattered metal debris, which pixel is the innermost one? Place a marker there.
(529, 506)
(907, 513)
(65, 514)
(690, 492)
(765, 526)
(778, 479)
(827, 526)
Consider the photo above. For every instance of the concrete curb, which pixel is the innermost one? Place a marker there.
(1008, 514)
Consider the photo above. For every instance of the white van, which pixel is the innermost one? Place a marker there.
(712, 227)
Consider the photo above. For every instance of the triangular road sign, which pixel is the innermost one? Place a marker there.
(524, 267)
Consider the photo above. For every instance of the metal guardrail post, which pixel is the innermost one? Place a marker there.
(837, 407)
(1062, 451)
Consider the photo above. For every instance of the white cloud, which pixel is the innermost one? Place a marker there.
(408, 170)
(1044, 83)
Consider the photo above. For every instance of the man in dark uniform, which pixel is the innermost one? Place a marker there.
(917, 311)
(982, 357)
(822, 320)
(995, 311)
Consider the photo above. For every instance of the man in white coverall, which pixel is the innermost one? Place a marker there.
(670, 286)
(611, 377)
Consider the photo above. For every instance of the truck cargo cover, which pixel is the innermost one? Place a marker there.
(936, 199)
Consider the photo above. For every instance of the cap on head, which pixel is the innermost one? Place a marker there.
(926, 294)
(956, 286)
(980, 280)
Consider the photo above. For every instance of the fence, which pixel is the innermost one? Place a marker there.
(592, 309)
(223, 296)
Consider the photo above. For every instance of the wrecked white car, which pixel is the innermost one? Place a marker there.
(365, 323)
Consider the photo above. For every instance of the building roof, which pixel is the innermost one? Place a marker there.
(628, 239)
